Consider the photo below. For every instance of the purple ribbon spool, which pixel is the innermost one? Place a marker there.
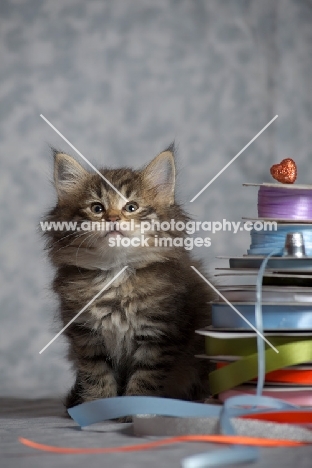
(282, 203)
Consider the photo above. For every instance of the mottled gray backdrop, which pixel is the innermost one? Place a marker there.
(122, 79)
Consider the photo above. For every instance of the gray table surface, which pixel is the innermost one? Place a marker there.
(44, 421)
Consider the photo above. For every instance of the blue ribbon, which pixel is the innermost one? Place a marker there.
(264, 242)
(111, 408)
(259, 325)
(275, 317)
(93, 412)
(230, 456)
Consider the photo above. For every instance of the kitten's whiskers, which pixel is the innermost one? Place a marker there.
(68, 245)
(88, 237)
(92, 239)
(64, 237)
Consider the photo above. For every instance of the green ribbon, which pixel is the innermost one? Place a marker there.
(246, 369)
(243, 346)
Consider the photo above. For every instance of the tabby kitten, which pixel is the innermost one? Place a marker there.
(138, 337)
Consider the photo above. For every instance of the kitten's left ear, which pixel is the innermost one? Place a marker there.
(67, 174)
(160, 176)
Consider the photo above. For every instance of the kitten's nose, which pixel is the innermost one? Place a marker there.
(112, 216)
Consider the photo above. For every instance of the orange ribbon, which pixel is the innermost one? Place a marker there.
(221, 439)
(295, 376)
(283, 417)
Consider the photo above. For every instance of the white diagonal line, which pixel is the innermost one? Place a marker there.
(238, 154)
(83, 157)
(84, 308)
(237, 311)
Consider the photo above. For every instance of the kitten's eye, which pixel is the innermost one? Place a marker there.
(97, 208)
(131, 206)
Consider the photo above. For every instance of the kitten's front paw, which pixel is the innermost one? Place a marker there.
(73, 398)
(139, 388)
(84, 391)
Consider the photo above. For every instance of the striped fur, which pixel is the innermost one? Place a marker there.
(137, 337)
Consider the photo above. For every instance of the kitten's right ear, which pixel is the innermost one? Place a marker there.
(160, 176)
(67, 173)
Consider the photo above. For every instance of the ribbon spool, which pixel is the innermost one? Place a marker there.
(275, 316)
(291, 240)
(285, 202)
(292, 375)
(243, 370)
(297, 397)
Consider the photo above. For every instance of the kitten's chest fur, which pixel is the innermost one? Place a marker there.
(121, 316)
(115, 318)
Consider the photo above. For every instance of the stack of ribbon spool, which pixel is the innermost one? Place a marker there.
(286, 302)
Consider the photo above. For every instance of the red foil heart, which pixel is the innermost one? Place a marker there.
(285, 172)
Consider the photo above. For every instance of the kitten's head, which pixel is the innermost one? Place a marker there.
(110, 209)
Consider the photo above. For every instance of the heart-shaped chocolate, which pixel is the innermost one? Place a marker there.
(285, 172)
